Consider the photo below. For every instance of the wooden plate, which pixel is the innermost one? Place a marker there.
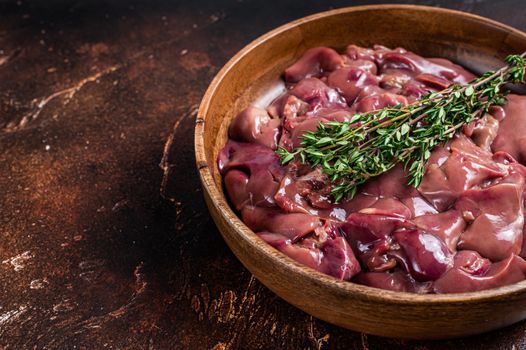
(254, 76)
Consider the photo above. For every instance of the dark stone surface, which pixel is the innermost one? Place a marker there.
(91, 255)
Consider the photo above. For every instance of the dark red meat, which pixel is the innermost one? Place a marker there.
(461, 230)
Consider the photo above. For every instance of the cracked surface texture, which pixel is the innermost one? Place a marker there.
(91, 255)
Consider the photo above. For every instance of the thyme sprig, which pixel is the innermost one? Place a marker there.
(369, 144)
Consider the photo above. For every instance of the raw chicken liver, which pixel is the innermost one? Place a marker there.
(461, 230)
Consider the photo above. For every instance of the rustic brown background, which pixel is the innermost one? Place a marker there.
(91, 255)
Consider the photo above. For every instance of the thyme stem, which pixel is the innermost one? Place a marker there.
(369, 144)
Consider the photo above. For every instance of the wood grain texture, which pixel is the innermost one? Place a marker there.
(91, 255)
(466, 39)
